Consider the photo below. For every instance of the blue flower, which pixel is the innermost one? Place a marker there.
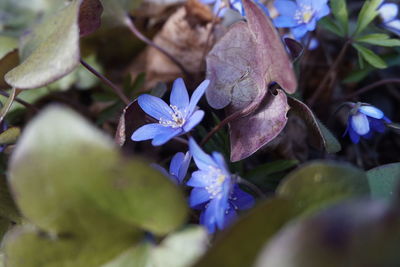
(364, 120)
(388, 13)
(178, 118)
(215, 190)
(179, 166)
(220, 8)
(301, 16)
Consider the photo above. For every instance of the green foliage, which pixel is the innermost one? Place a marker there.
(70, 181)
(367, 14)
(339, 10)
(177, 250)
(53, 45)
(380, 39)
(239, 245)
(370, 56)
(384, 180)
(319, 184)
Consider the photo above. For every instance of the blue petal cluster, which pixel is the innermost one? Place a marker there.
(179, 166)
(300, 15)
(389, 15)
(215, 191)
(364, 120)
(175, 119)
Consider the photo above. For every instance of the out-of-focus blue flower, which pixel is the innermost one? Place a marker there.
(300, 15)
(215, 191)
(178, 118)
(364, 120)
(388, 13)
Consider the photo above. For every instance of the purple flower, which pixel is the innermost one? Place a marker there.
(364, 120)
(301, 16)
(388, 13)
(178, 118)
(215, 191)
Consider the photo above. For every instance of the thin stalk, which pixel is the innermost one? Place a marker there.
(118, 91)
(131, 26)
(251, 186)
(19, 100)
(238, 114)
(327, 76)
(372, 86)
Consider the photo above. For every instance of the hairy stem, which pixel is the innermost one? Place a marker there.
(118, 91)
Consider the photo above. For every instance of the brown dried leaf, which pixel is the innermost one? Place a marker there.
(89, 16)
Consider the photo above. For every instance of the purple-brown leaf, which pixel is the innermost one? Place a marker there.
(250, 133)
(89, 16)
(241, 66)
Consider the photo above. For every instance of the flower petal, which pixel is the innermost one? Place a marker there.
(184, 166)
(202, 160)
(207, 219)
(176, 163)
(241, 200)
(371, 111)
(155, 107)
(285, 22)
(166, 135)
(319, 4)
(179, 95)
(359, 123)
(312, 24)
(220, 160)
(147, 132)
(198, 196)
(200, 179)
(355, 138)
(299, 31)
(193, 120)
(286, 8)
(197, 94)
(377, 125)
(322, 12)
(388, 11)
(394, 26)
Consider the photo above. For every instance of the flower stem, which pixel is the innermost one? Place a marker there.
(238, 114)
(131, 26)
(251, 186)
(372, 86)
(327, 76)
(19, 100)
(118, 91)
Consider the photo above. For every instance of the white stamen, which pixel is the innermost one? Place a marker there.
(177, 121)
(304, 14)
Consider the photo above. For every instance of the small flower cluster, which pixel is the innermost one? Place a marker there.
(215, 192)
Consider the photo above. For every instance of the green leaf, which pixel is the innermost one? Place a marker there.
(355, 233)
(239, 245)
(261, 172)
(367, 14)
(380, 39)
(8, 209)
(7, 105)
(61, 157)
(9, 136)
(28, 247)
(321, 137)
(180, 249)
(318, 184)
(50, 52)
(330, 25)
(370, 56)
(384, 180)
(339, 10)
